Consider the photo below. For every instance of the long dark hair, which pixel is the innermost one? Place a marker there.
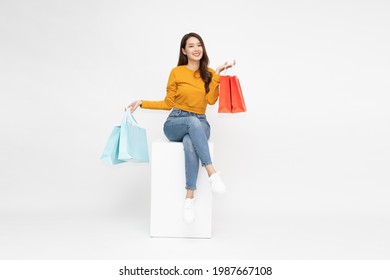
(204, 61)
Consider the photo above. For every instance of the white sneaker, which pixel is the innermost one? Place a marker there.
(189, 210)
(217, 185)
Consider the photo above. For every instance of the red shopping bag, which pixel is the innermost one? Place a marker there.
(225, 100)
(238, 103)
(231, 99)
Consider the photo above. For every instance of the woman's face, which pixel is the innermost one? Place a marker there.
(193, 49)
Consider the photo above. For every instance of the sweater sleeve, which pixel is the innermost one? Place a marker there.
(212, 95)
(169, 101)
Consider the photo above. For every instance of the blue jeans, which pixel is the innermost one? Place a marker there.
(194, 131)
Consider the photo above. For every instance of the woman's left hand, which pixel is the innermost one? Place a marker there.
(224, 67)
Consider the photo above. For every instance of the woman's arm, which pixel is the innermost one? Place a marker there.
(165, 104)
(212, 95)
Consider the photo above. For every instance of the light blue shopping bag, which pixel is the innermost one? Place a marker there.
(133, 144)
(127, 143)
(111, 150)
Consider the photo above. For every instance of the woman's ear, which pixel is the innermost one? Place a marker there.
(183, 51)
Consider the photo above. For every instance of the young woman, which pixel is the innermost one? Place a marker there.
(191, 86)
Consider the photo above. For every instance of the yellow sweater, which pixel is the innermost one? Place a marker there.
(185, 91)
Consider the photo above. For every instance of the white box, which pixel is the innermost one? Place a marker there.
(168, 194)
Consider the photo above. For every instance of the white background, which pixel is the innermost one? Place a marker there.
(306, 166)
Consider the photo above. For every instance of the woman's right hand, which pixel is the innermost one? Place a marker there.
(134, 105)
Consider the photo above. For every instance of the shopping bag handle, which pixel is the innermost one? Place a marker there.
(129, 118)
